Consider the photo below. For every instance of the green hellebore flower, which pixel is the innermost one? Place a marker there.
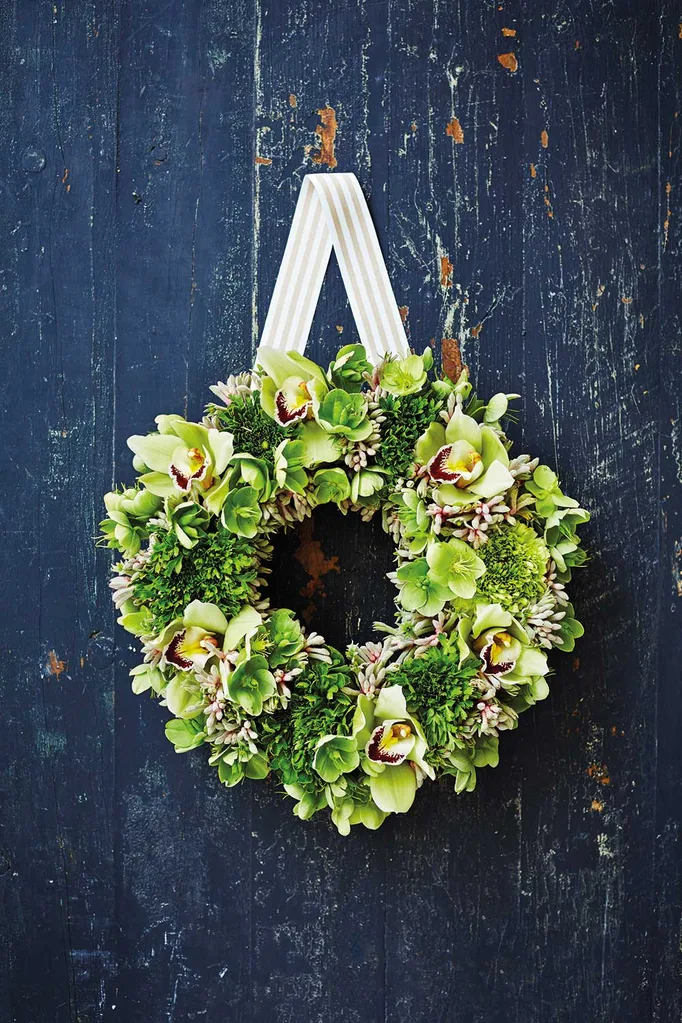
(544, 486)
(345, 414)
(406, 376)
(189, 521)
(349, 368)
(335, 755)
(468, 460)
(292, 387)
(185, 454)
(456, 565)
(285, 637)
(331, 485)
(129, 511)
(185, 734)
(419, 590)
(289, 471)
(366, 483)
(250, 684)
(241, 512)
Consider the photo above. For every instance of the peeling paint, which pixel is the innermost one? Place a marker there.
(600, 773)
(454, 130)
(446, 269)
(533, 171)
(263, 161)
(404, 311)
(544, 138)
(451, 358)
(508, 61)
(326, 132)
(54, 665)
(293, 102)
(509, 32)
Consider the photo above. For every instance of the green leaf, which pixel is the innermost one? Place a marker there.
(185, 735)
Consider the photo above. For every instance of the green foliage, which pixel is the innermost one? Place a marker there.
(253, 430)
(515, 565)
(220, 569)
(318, 707)
(438, 691)
(406, 419)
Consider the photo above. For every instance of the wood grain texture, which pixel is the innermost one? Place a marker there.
(151, 155)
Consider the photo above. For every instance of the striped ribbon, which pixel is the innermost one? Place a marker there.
(332, 212)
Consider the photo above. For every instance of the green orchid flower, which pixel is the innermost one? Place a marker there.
(455, 565)
(335, 755)
(419, 590)
(190, 642)
(502, 646)
(349, 368)
(405, 376)
(293, 386)
(250, 684)
(468, 460)
(126, 526)
(289, 471)
(394, 747)
(344, 414)
(180, 456)
(331, 485)
(241, 512)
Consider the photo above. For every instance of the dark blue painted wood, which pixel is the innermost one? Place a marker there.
(151, 154)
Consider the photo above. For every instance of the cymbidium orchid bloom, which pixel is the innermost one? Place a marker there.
(189, 642)
(395, 748)
(503, 647)
(467, 460)
(181, 455)
(293, 386)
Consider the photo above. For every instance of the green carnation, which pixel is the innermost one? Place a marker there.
(220, 569)
(253, 431)
(515, 560)
(406, 419)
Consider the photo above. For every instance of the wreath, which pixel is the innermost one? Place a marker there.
(484, 545)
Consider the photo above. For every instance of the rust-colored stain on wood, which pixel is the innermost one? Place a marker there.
(293, 102)
(508, 61)
(263, 161)
(446, 269)
(404, 311)
(54, 665)
(313, 559)
(533, 171)
(544, 139)
(548, 202)
(326, 132)
(475, 331)
(509, 32)
(451, 358)
(597, 806)
(454, 130)
(600, 773)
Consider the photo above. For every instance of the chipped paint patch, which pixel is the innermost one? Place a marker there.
(313, 559)
(54, 665)
(509, 32)
(544, 138)
(508, 61)
(533, 171)
(446, 270)
(603, 847)
(326, 132)
(293, 102)
(596, 806)
(451, 358)
(263, 161)
(454, 130)
(600, 773)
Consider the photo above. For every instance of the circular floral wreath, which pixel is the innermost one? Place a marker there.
(484, 547)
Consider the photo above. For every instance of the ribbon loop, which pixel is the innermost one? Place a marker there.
(332, 212)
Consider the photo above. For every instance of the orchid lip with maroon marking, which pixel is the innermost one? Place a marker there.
(173, 654)
(384, 737)
(438, 468)
(284, 415)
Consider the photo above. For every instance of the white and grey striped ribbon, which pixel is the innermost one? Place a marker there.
(332, 212)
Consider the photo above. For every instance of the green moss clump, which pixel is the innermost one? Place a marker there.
(406, 419)
(515, 566)
(221, 569)
(253, 430)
